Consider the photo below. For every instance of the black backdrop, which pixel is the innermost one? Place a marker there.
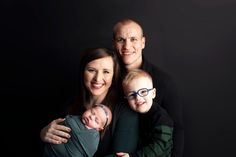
(194, 41)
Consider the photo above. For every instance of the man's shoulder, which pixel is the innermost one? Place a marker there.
(155, 71)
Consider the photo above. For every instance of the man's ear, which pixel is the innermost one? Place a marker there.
(143, 42)
(154, 93)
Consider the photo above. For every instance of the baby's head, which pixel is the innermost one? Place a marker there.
(138, 90)
(98, 117)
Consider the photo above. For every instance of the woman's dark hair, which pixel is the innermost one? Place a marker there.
(83, 94)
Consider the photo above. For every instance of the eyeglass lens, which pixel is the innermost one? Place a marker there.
(141, 92)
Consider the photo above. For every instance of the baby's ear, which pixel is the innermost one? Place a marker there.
(154, 93)
(100, 129)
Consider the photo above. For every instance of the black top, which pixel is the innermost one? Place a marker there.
(167, 97)
(156, 133)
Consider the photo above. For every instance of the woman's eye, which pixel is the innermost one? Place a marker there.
(90, 70)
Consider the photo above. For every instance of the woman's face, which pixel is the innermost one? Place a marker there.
(98, 76)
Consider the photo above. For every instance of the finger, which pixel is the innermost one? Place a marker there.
(120, 153)
(58, 120)
(56, 139)
(59, 133)
(56, 124)
(61, 128)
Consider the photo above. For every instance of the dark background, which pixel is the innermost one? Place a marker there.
(194, 41)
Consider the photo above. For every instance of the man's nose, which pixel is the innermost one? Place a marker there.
(127, 44)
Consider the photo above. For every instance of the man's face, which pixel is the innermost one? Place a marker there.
(129, 43)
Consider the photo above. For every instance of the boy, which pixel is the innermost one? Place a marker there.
(84, 133)
(156, 126)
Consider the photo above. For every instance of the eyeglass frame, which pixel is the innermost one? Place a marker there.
(134, 93)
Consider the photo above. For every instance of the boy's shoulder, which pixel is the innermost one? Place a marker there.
(157, 115)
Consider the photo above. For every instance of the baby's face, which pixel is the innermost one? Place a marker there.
(94, 118)
(140, 94)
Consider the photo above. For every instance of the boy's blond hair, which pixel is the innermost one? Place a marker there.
(133, 74)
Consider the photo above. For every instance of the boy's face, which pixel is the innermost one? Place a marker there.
(140, 86)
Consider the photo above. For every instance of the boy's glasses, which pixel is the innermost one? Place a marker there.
(141, 92)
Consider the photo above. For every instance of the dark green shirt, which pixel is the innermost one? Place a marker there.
(123, 133)
(156, 130)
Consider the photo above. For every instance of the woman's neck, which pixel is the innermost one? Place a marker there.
(96, 100)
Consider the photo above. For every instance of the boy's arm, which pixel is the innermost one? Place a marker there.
(160, 145)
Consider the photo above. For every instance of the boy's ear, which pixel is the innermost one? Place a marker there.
(154, 93)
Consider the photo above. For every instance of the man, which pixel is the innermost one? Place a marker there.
(129, 41)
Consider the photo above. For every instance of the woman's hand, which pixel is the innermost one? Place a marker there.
(121, 154)
(55, 133)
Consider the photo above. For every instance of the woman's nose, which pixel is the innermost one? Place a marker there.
(98, 76)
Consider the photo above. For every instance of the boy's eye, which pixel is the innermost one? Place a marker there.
(143, 92)
(131, 95)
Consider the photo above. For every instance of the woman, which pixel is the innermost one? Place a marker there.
(99, 84)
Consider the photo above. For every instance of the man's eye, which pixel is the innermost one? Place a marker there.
(119, 40)
(133, 39)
